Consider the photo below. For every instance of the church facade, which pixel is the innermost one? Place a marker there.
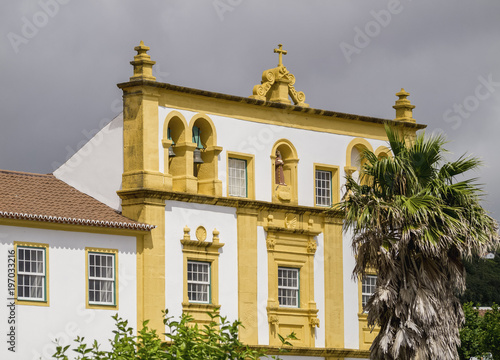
(231, 200)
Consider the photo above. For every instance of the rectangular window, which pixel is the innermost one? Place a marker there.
(102, 284)
(288, 287)
(237, 177)
(198, 281)
(323, 188)
(31, 270)
(368, 286)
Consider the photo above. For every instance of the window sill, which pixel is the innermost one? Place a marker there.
(32, 302)
(102, 306)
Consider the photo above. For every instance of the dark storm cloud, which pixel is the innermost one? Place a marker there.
(60, 62)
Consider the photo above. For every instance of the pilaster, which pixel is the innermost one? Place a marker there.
(247, 274)
(334, 286)
(150, 259)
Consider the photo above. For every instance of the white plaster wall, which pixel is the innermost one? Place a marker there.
(312, 147)
(351, 301)
(319, 289)
(262, 287)
(96, 169)
(180, 214)
(66, 317)
(258, 139)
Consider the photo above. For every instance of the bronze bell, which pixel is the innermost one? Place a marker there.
(197, 157)
(171, 152)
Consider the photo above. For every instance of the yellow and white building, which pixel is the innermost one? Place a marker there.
(239, 191)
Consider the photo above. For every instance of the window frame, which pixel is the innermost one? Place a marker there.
(229, 176)
(115, 286)
(334, 183)
(329, 188)
(296, 289)
(249, 173)
(208, 282)
(42, 275)
(367, 294)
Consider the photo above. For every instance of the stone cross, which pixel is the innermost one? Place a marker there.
(281, 52)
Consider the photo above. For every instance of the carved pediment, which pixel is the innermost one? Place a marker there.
(277, 85)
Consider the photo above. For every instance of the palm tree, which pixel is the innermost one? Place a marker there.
(414, 219)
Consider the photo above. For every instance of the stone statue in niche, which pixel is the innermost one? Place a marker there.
(278, 165)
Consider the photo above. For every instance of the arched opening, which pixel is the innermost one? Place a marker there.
(284, 162)
(205, 155)
(354, 156)
(177, 152)
(382, 152)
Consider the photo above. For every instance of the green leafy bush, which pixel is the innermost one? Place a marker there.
(217, 340)
(480, 336)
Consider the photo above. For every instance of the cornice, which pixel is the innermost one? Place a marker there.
(270, 104)
(239, 203)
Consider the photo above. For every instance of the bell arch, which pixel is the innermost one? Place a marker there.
(204, 139)
(354, 155)
(383, 151)
(284, 161)
(177, 153)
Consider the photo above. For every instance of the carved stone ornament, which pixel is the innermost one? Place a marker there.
(291, 223)
(314, 322)
(277, 85)
(311, 246)
(201, 233)
(271, 243)
(274, 320)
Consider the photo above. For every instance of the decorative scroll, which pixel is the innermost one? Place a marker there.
(278, 76)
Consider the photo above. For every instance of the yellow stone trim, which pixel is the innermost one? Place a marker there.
(234, 202)
(203, 251)
(246, 223)
(211, 140)
(334, 282)
(45, 302)
(183, 98)
(329, 353)
(150, 257)
(291, 248)
(335, 190)
(383, 151)
(103, 251)
(179, 168)
(180, 130)
(360, 144)
(250, 160)
(285, 194)
(366, 334)
(208, 172)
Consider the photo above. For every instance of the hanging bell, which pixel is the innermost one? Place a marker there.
(197, 157)
(171, 152)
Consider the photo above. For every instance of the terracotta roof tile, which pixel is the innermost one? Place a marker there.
(45, 198)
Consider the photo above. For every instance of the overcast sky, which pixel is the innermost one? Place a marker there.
(60, 61)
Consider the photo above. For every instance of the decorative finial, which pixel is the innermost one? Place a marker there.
(186, 233)
(281, 52)
(143, 65)
(404, 108)
(215, 234)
